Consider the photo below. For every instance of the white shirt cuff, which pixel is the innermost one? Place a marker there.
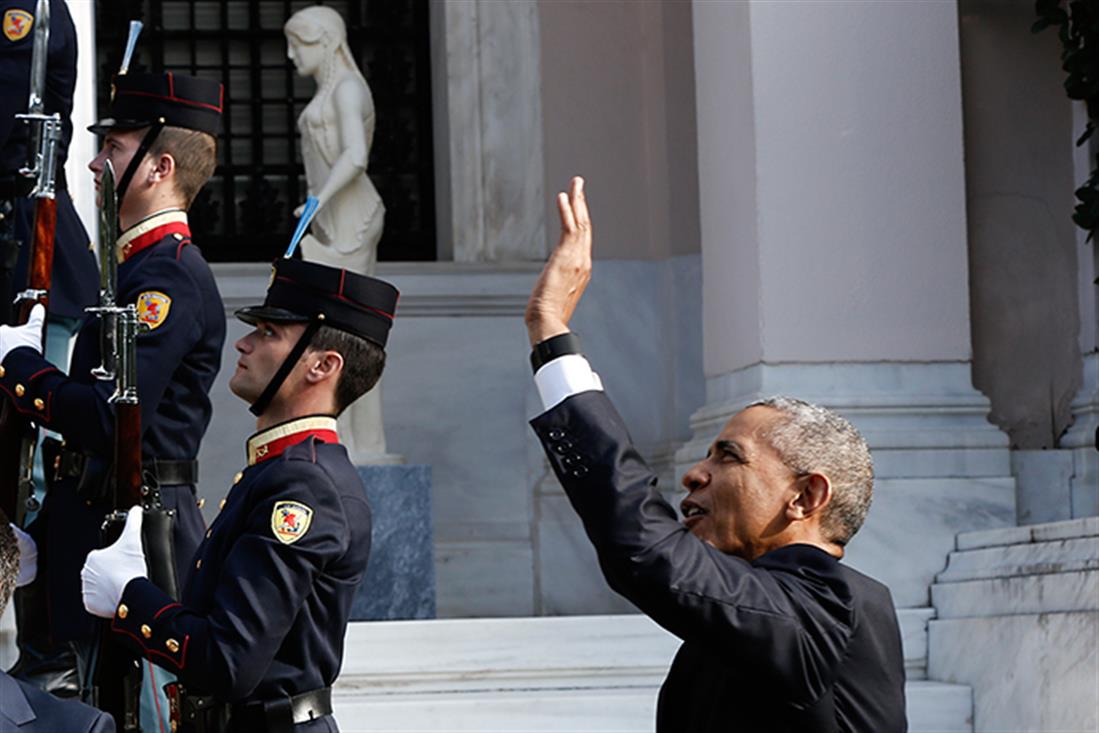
(563, 377)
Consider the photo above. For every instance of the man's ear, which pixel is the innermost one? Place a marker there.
(323, 365)
(164, 168)
(814, 495)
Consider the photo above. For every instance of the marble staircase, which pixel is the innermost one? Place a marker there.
(572, 673)
(1017, 618)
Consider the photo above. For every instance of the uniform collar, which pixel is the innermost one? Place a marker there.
(151, 230)
(271, 442)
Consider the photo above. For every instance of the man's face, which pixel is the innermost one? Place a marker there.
(119, 147)
(737, 495)
(262, 352)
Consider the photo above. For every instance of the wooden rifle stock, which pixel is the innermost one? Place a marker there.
(129, 481)
(17, 435)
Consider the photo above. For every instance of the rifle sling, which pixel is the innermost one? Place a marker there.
(272, 389)
(139, 155)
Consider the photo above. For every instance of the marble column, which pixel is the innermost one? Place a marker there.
(486, 71)
(1083, 436)
(832, 197)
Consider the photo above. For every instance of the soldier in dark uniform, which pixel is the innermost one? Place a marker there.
(258, 638)
(160, 139)
(74, 283)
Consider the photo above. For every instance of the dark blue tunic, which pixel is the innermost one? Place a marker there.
(266, 607)
(177, 363)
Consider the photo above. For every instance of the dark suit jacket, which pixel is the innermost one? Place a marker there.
(26, 709)
(794, 641)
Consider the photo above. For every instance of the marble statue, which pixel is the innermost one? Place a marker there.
(337, 128)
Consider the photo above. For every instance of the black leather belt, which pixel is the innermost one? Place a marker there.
(68, 463)
(205, 714)
(280, 716)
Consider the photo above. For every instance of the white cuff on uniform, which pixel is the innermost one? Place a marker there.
(563, 377)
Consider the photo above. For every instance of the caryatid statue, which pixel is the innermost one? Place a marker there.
(337, 128)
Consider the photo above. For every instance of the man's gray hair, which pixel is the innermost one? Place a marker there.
(9, 561)
(812, 439)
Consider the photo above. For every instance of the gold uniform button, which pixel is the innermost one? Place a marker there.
(123, 611)
(146, 631)
(173, 645)
(20, 390)
(39, 403)
(209, 532)
(198, 564)
(201, 503)
(2, 372)
(221, 504)
(238, 477)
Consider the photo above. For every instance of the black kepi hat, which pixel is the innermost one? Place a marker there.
(302, 291)
(140, 100)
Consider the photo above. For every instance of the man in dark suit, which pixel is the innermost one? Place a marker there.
(23, 707)
(777, 634)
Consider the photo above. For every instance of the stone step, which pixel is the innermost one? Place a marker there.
(1047, 568)
(576, 673)
(933, 707)
(1016, 619)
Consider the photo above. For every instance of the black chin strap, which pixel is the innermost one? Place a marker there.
(139, 155)
(292, 358)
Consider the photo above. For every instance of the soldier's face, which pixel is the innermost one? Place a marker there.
(119, 147)
(262, 352)
(738, 494)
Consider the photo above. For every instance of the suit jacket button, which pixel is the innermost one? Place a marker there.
(146, 631)
(563, 447)
(556, 434)
(580, 471)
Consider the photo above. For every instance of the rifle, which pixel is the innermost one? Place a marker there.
(19, 437)
(117, 673)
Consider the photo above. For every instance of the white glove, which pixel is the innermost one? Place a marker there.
(106, 572)
(29, 334)
(28, 557)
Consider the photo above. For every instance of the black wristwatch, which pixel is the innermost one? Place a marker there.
(555, 346)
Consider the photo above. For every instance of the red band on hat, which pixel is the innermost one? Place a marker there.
(172, 98)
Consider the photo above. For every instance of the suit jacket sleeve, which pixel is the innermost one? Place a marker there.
(792, 624)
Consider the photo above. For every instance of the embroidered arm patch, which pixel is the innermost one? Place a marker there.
(290, 521)
(153, 307)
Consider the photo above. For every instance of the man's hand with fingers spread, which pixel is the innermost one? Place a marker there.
(566, 274)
